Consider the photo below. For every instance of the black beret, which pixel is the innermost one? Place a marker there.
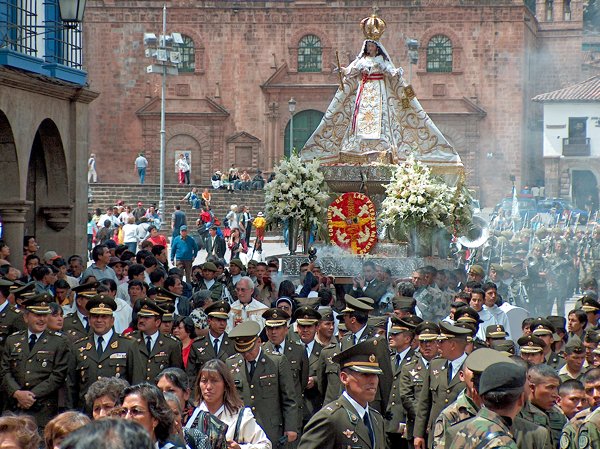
(502, 377)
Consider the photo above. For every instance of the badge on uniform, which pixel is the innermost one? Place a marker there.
(348, 433)
(114, 345)
(564, 441)
(583, 441)
(118, 355)
(413, 372)
(88, 346)
(435, 372)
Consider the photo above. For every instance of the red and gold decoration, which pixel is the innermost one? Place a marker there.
(351, 222)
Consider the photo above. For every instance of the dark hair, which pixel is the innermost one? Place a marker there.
(150, 261)
(231, 397)
(105, 386)
(406, 289)
(55, 308)
(120, 249)
(580, 315)
(537, 373)
(286, 288)
(570, 385)
(127, 255)
(75, 257)
(379, 52)
(31, 257)
(40, 271)
(109, 283)
(135, 270)
(135, 283)
(157, 249)
(325, 296)
(489, 286)
(97, 251)
(170, 282)
(26, 239)
(473, 285)
(157, 275)
(176, 376)
(477, 291)
(188, 325)
(498, 400)
(111, 433)
(59, 262)
(157, 406)
(141, 255)
(590, 376)
(526, 323)
(61, 283)
(361, 317)
(369, 263)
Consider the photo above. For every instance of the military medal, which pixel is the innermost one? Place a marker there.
(88, 346)
(348, 433)
(354, 439)
(435, 372)
(413, 372)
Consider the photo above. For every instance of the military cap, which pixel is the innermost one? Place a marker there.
(496, 332)
(590, 294)
(497, 268)
(25, 291)
(360, 358)
(378, 321)
(503, 345)
(448, 331)
(481, 358)
(530, 344)
(311, 302)
(150, 309)
(210, 267)
(541, 326)
(467, 314)
(306, 316)
(275, 317)
(238, 263)
(16, 285)
(101, 305)
(6, 283)
(355, 304)
(342, 327)
(168, 312)
(413, 319)
(470, 327)
(405, 303)
(244, 335)
(326, 313)
(591, 336)
(477, 269)
(88, 289)
(163, 295)
(574, 346)
(590, 305)
(400, 325)
(219, 309)
(559, 322)
(38, 304)
(507, 377)
(427, 331)
(252, 263)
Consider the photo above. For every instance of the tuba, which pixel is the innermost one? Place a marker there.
(477, 235)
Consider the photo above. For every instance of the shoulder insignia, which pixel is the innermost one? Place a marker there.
(81, 340)
(88, 346)
(564, 441)
(438, 429)
(172, 337)
(128, 336)
(114, 345)
(413, 372)
(583, 441)
(231, 357)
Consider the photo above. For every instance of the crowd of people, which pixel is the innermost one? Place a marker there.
(229, 353)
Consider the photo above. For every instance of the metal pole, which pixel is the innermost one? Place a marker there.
(291, 133)
(161, 199)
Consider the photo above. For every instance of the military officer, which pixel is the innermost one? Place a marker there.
(401, 335)
(11, 318)
(442, 382)
(349, 421)
(328, 381)
(155, 351)
(216, 344)
(276, 327)
(543, 329)
(307, 319)
(265, 384)
(103, 353)
(413, 372)
(76, 324)
(34, 364)
(208, 282)
(490, 428)
(495, 332)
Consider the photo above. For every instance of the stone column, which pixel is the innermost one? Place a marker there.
(13, 221)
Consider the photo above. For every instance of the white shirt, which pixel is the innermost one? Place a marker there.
(358, 334)
(309, 347)
(457, 363)
(501, 318)
(105, 339)
(153, 339)
(403, 354)
(360, 410)
(218, 339)
(122, 315)
(209, 284)
(84, 319)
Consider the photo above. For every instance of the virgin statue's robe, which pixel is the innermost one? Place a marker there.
(388, 125)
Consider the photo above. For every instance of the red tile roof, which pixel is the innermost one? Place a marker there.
(588, 90)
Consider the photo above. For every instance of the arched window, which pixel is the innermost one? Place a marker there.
(439, 54)
(305, 123)
(309, 54)
(188, 55)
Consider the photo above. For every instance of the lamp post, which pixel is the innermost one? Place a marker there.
(71, 12)
(163, 51)
(292, 109)
(413, 55)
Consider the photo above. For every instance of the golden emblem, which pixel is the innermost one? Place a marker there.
(114, 344)
(348, 433)
(88, 346)
(372, 358)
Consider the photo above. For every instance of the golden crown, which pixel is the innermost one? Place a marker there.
(372, 27)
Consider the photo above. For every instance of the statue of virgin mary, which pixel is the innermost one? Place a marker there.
(376, 115)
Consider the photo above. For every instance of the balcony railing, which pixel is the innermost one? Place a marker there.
(576, 146)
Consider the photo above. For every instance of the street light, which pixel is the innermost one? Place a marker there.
(413, 55)
(162, 50)
(71, 12)
(292, 109)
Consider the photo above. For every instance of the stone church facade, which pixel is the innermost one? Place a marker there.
(479, 65)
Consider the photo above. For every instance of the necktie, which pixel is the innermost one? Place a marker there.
(353, 338)
(99, 349)
(449, 371)
(86, 324)
(216, 346)
(149, 344)
(398, 360)
(367, 422)
(252, 368)
(32, 341)
(278, 349)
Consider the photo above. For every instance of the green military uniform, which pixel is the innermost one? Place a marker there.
(164, 353)
(203, 348)
(74, 328)
(328, 380)
(554, 419)
(217, 288)
(460, 410)
(486, 431)
(589, 433)
(270, 391)
(338, 425)
(41, 370)
(437, 392)
(568, 437)
(11, 318)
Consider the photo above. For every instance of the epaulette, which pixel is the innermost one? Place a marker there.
(80, 340)
(175, 339)
(330, 345)
(231, 357)
(127, 337)
(15, 309)
(18, 332)
(199, 338)
(56, 334)
(332, 406)
(297, 343)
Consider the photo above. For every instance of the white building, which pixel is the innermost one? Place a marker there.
(572, 142)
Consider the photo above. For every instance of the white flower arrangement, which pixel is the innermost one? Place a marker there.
(297, 192)
(416, 200)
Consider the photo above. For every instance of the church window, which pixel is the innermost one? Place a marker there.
(309, 54)
(439, 54)
(549, 15)
(188, 55)
(567, 9)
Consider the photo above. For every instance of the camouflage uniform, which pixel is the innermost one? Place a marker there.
(460, 410)
(588, 435)
(432, 303)
(568, 438)
(553, 419)
(487, 430)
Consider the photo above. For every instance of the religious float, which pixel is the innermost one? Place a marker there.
(376, 174)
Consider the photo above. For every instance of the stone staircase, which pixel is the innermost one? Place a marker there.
(104, 195)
